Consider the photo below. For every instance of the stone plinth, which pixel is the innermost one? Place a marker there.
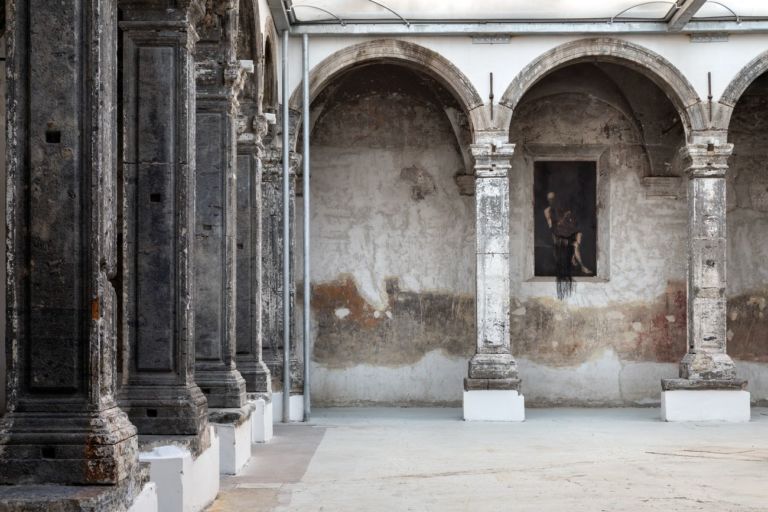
(296, 408)
(705, 400)
(185, 471)
(263, 418)
(235, 429)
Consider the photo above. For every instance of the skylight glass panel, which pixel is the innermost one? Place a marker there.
(480, 10)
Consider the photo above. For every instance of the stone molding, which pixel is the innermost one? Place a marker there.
(405, 53)
(670, 79)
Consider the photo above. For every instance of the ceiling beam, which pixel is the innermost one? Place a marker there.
(684, 13)
(279, 15)
(470, 28)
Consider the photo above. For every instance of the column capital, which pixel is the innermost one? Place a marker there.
(492, 157)
(705, 160)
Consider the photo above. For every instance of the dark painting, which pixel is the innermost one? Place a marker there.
(565, 218)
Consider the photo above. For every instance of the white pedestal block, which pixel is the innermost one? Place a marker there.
(235, 445)
(297, 407)
(494, 405)
(184, 483)
(705, 405)
(147, 500)
(261, 422)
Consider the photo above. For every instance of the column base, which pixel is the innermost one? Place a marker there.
(296, 407)
(187, 479)
(494, 405)
(691, 400)
(74, 448)
(165, 410)
(263, 417)
(233, 426)
(133, 494)
(224, 388)
(256, 375)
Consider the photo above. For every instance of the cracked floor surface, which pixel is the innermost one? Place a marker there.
(559, 459)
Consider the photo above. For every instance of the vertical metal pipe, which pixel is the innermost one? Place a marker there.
(286, 241)
(305, 160)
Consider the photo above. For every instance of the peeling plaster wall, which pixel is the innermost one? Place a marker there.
(393, 269)
(619, 334)
(747, 240)
(393, 244)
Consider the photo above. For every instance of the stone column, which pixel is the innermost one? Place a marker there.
(219, 80)
(250, 362)
(492, 369)
(706, 366)
(63, 423)
(272, 267)
(159, 393)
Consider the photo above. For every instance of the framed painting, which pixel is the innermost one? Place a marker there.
(565, 219)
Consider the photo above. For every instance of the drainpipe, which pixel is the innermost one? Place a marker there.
(286, 242)
(305, 161)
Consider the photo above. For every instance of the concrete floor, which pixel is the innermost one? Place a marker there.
(560, 459)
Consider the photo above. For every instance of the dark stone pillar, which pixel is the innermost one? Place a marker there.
(158, 76)
(252, 127)
(63, 423)
(219, 79)
(272, 266)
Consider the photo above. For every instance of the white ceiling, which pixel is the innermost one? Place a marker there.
(448, 10)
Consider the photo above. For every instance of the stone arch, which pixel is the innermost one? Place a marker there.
(674, 84)
(403, 53)
(736, 88)
(268, 62)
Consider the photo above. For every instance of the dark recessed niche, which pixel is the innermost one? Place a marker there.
(151, 413)
(53, 136)
(48, 452)
(156, 198)
(207, 227)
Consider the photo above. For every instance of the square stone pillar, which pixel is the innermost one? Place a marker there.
(272, 266)
(250, 362)
(158, 75)
(219, 81)
(63, 424)
(491, 390)
(707, 387)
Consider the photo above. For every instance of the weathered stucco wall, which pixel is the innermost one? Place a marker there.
(611, 342)
(747, 240)
(393, 241)
(392, 249)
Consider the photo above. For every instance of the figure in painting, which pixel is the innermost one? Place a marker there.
(566, 244)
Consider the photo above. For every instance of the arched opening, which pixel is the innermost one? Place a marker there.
(747, 225)
(597, 196)
(392, 235)
(269, 101)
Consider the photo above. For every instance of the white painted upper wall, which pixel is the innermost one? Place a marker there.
(694, 59)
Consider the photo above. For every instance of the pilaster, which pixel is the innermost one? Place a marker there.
(63, 424)
(706, 370)
(252, 128)
(491, 389)
(272, 265)
(158, 212)
(493, 358)
(219, 80)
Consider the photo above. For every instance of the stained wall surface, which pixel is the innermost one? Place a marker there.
(747, 241)
(623, 330)
(393, 243)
